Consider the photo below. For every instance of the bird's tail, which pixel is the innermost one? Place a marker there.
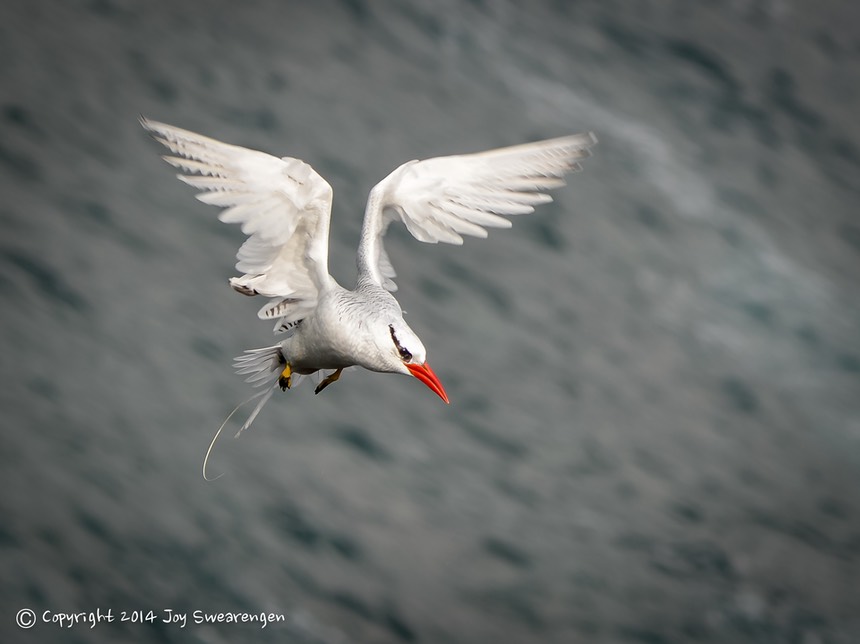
(262, 366)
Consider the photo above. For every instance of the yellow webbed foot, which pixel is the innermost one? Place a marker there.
(328, 380)
(285, 380)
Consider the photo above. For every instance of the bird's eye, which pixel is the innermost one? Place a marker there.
(405, 355)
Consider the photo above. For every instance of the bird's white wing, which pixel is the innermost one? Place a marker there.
(442, 199)
(283, 206)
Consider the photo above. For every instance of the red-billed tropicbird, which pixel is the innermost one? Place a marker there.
(284, 207)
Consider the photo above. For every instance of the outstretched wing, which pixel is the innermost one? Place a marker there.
(442, 199)
(283, 206)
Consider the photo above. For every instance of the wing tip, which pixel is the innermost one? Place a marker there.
(583, 139)
(162, 133)
(582, 143)
(153, 127)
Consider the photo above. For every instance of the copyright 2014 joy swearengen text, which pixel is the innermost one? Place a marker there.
(27, 618)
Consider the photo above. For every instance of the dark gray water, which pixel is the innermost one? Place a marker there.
(654, 433)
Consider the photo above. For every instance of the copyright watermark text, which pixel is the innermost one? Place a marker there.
(27, 618)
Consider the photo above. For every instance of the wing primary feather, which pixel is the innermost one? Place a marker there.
(214, 183)
(190, 165)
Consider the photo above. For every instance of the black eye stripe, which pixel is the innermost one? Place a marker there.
(404, 352)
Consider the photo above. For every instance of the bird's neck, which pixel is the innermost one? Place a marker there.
(370, 244)
(366, 285)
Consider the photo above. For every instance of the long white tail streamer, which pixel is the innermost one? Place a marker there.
(265, 395)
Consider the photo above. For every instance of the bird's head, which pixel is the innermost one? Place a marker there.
(401, 351)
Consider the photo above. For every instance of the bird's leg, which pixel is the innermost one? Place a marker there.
(328, 380)
(286, 378)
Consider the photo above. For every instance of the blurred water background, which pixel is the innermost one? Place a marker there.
(655, 381)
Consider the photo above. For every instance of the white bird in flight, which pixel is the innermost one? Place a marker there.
(284, 208)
